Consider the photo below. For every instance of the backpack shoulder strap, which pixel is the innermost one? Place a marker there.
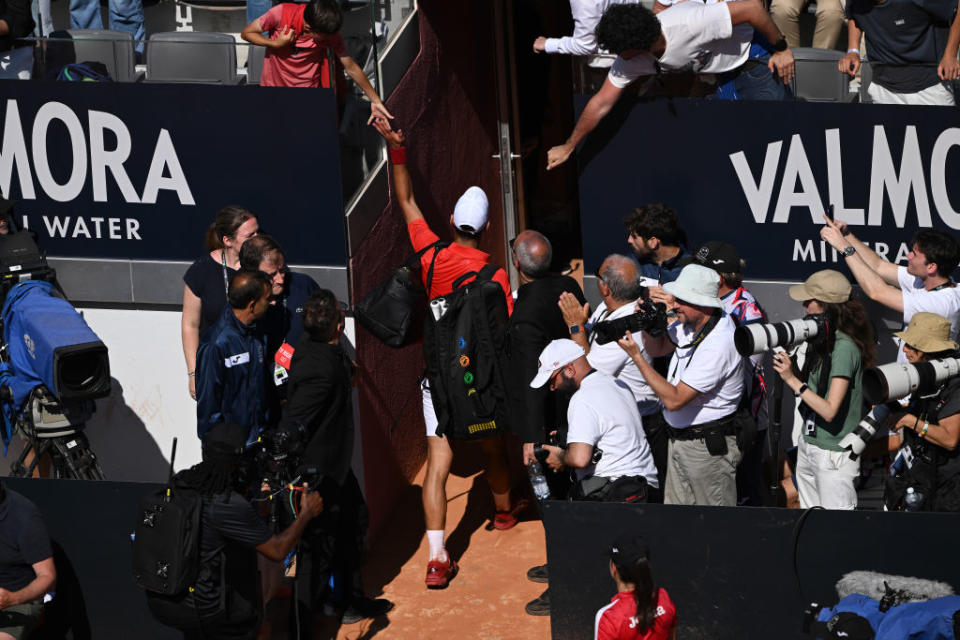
(488, 271)
(414, 260)
(292, 16)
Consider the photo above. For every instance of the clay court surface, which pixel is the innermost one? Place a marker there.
(485, 601)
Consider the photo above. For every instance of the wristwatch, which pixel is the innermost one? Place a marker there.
(780, 45)
(575, 329)
(848, 251)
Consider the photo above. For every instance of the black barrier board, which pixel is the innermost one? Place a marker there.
(729, 571)
(115, 170)
(93, 521)
(761, 174)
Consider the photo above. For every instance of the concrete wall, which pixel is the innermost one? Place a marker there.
(133, 428)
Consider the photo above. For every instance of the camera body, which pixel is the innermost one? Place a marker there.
(756, 338)
(650, 317)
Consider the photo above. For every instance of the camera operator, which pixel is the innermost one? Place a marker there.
(605, 443)
(701, 394)
(27, 571)
(924, 284)
(929, 460)
(618, 282)
(830, 387)
(223, 603)
(320, 399)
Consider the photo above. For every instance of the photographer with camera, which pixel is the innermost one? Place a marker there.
(223, 601)
(605, 446)
(830, 389)
(320, 399)
(618, 283)
(702, 392)
(929, 460)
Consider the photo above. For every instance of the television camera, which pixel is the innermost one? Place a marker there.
(52, 365)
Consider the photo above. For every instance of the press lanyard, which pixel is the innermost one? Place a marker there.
(226, 283)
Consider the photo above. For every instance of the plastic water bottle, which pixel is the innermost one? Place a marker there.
(539, 481)
(913, 501)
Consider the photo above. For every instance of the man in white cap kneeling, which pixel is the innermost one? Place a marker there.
(701, 394)
(606, 446)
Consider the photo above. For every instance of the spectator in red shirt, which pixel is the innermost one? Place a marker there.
(469, 220)
(640, 610)
(299, 35)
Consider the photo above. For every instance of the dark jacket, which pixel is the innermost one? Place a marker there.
(320, 397)
(536, 320)
(230, 376)
(16, 13)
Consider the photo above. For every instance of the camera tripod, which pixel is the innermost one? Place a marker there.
(50, 428)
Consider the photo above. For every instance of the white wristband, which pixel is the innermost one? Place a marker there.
(856, 51)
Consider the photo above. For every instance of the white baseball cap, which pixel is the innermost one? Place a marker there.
(559, 353)
(470, 214)
(697, 285)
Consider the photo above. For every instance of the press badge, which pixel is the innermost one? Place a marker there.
(280, 375)
(810, 427)
(283, 356)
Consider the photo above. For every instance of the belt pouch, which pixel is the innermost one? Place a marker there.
(715, 440)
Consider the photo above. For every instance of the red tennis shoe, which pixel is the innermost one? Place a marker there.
(439, 574)
(503, 520)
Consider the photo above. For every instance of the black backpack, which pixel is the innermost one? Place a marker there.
(166, 540)
(393, 310)
(464, 348)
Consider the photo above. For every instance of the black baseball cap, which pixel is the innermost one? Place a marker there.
(627, 549)
(720, 256)
(226, 436)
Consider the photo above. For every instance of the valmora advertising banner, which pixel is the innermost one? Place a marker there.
(761, 175)
(140, 170)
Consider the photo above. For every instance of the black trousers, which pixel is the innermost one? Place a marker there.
(239, 621)
(655, 428)
(332, 546)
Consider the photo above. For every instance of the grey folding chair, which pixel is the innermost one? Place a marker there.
(192, 57)
(114, 49)
(255, 58)
(817, 77)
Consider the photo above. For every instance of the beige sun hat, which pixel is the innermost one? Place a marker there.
(928, 332)
(826, 286)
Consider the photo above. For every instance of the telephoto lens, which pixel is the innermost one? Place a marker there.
(752, 339)
(900, 379)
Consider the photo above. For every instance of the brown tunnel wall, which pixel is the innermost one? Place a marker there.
(446, 105)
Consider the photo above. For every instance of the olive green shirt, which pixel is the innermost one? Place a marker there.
(845, 362)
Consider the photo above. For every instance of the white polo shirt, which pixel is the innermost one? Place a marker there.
(603, 414)
(715, 370)
(614, 361)
(945, 302)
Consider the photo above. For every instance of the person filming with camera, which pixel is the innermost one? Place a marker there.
(701, 393)
(929, 461)
(830, 389)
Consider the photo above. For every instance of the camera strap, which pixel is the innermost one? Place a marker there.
(693, 344)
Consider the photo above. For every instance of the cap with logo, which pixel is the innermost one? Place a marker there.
(627, 549)
(720, 256)
(470, 212)
(559, 353)
(826, 286)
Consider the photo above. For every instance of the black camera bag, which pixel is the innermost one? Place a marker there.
(465, 353)
(394, 310)
(166, 542)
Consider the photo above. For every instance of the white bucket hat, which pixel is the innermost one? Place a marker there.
(559, 353)
(697, 285)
